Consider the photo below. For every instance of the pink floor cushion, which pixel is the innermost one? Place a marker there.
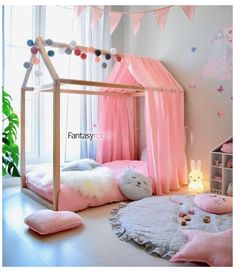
(212, 203)
(215, 249)
(46, 221)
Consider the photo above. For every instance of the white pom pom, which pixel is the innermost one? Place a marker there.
(73, 43)
(113, 51)
(38, 73)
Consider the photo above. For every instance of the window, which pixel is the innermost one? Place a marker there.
(78, 112)
(47, 21)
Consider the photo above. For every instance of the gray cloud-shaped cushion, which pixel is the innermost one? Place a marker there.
(135, 186)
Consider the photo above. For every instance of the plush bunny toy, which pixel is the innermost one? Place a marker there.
(195, 178)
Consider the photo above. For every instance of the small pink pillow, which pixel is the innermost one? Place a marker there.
(46, 221)
(213, 203)
(215, 249)
(227, 147)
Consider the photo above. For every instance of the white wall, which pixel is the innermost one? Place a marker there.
(173, 47)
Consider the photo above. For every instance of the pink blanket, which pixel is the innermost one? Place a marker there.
(73, 200)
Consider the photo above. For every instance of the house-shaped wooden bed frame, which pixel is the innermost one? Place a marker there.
(57, 87)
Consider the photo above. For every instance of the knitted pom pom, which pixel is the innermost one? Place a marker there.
(97, 59)
(68, 51)
(26, 64)
(36, 61)
(118, 58)
(107, 56)
(113, 51)
(73, 43)
(50, 53)
(77, 52)
(34, 50)
(30, 43)
(97, 52)
(49, 41)
(83, 55)
(38, 73)
(104, 65)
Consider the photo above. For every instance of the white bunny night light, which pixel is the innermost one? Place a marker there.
(195, 178)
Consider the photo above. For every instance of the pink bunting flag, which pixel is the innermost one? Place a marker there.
(114, 19)
(136, 20)
(161, 16)
(78, 9)
(189, 11)
(95, 15)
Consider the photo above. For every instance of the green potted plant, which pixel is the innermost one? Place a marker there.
(10, 150)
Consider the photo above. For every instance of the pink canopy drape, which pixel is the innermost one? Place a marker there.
(164, 119)
(116, 120)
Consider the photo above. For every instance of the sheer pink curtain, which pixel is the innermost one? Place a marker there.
(116, 120)
(164, 117)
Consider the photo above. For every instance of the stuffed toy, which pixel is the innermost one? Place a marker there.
(134, 185)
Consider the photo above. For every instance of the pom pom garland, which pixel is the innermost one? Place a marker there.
(34, 50)
(30, 43)
(107, 56)
(50, 53)
(77, 52)
(113, 51)
(68, 51)
(104, 65)
(83, 55)
(73, 43)
(49, 42)
(36, 61)
(27, 65)
(97, 52)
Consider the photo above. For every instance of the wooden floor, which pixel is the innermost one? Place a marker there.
(93, 244)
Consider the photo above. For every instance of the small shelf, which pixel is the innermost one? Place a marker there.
(219, 168)
(217, 180)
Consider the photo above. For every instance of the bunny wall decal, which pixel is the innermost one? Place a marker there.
(196, 178)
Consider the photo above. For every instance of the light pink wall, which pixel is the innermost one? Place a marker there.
(173, 47)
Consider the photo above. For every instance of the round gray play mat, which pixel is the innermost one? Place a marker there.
(154, 223)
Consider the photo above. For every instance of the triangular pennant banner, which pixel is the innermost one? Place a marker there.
(136, 20)
(114, 19)
(189, 11)
(78, 9)
(95, 16)
(161, 16)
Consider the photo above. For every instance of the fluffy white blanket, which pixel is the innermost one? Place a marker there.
(90, 183)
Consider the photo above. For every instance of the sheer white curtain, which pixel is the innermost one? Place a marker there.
(78, 112)
(82, 110)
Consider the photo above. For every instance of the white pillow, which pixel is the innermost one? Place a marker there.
(80, 165)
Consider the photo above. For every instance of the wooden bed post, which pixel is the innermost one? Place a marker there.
(22, 126)
(56, 143)
(22, 140)
(136, 127)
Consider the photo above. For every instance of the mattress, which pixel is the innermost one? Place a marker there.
(72, 200)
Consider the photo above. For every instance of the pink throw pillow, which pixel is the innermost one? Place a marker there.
(212, 203)
(227, 147)
(46, 221)
(215, 249)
